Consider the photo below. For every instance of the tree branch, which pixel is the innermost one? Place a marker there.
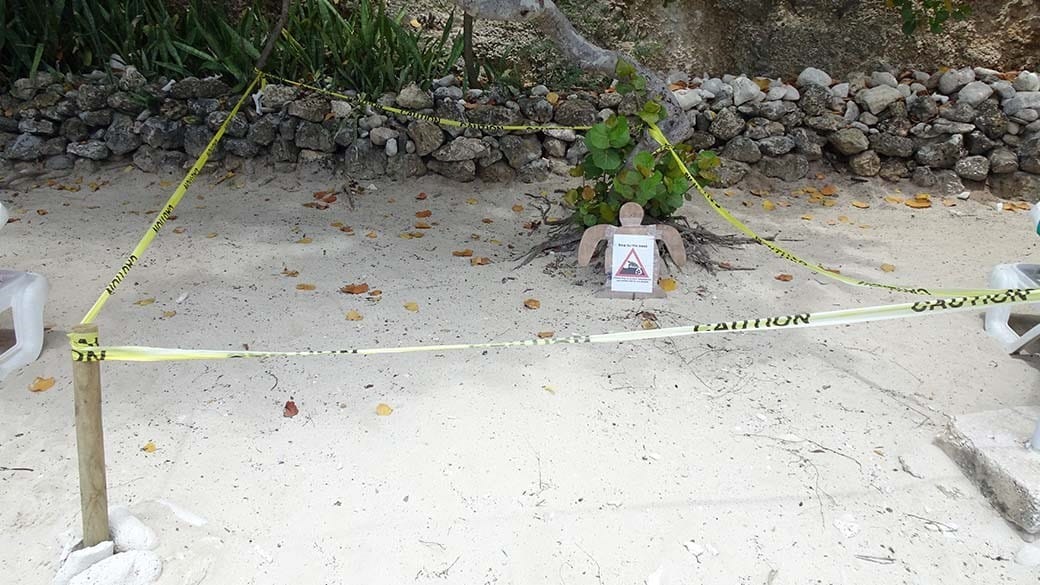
(272, 37)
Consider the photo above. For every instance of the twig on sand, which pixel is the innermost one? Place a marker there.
(15, 469)
(444, 572)
(878, 560)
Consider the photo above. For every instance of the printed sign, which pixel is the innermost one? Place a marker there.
(633, 264)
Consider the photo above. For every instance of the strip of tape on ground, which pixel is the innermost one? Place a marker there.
(166, 212)
(658, 135)
(87, 350)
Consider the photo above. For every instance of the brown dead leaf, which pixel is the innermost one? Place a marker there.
(383, 409)
(760, 192)
(375, 293)
(479, 261)
(290, 410)
(843, 219)
(471, 201)
(355, 289)
(784, 277)
(412, 306)
(462, 253)
(144, 302)
(41, 212)
(545, 334)
(353, 315)
(807, 217)
(371, 235)
(179, 230)
(532, 303)
(916, 203)
(860, 204)
(304, 240)
(422, 225)
(211, 235)
(948, 202)
(423, 213)
(668, 284)
(290, 273)
(305, 286)
(649, 324)
(41, 384)
(768, 205)
(169, 314)
(552, 97)
(888, 268)
(517, 208)
(421, 196)
(829, 190)
(829, 203)
(896, 199)
(149, 447)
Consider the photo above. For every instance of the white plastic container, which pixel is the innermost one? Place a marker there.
(1034, 216)
(24, 294)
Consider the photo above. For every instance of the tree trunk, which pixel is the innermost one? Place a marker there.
(545, 15)
(272, 37)
(472, 69)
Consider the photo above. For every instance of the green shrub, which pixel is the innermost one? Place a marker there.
(351, 44)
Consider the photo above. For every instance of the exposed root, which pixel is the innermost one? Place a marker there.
(701, 242)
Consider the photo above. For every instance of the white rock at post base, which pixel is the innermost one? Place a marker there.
(81, 560)
(974, 93)
(137, 567)
(129, 533)
(813, 75)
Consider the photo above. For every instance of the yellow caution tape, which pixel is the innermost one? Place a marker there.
(86, 349)
(816, 267)
(167, 211)
(419, 115)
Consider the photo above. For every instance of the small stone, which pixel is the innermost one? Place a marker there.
(241, 147)
(959, 112)
(812, 75)
(92, 149)
(791, 94)
(539, 91)
(59, 162)
(93, 97)
(427, 136)
(576, 112)
(449, 93)
(340, 109)
(868, 119)
(555, 148)
(940, 155)
(380, 136)
(498, 172)
(535, 171)
(314, 136)
(462, 171)
(687, 98)
(38, 126)
(944, 126)
(890, 145)
(883, 78)
(727, 124)
(413, 97)
(312, 109)
(840, 91)
(202, 107)
(162, 133)
(826, 122)
(776, 145)
(876, 99)
(808, 143)
(849, 141)
(789, 167)
(120, 137)
(460, 149)
(973, 168)
(954, 79)
(1022, 101)
(264, 130)
(730, 172)
(1026, 116)
(990, 119)
(1004, 89)
(924, 178)
(746, 90)
(276, 96)
(237, 128)
(1027, 81)
(742, 149)
(922, 109)
(893, 169)
(974, 93)
(979, 143)
(1002, 161)
(537, 109)
(391, 147)
(865, 164)
(1029, 155)
(520, 150)
(122, 101)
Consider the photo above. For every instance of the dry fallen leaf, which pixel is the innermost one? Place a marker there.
(304, 241)
(768, 205)
(843, 219)
(421, 195)
(211, 235)
(290, 273)
(355, 289)
(290, 409)
(829, 203)
(916, 203)
(518, 208)
(41, 212)
(336, 224)
(471, 201)
(649, 324)
(807, 217)
(41, 384)
(423, 213)
(422, 225)
(375, 293)
(894, 199)
(949, 202)
(169, 314)
(668, 284)
(784, 277)
(888, 268)
(305, 286)
(462, 253)
(532, 303)
(759, 192)
(829, 190)
(860, 204)
(179, 230)
(383, 409)
(480, 261)
(412, 306)
(149, 447)
(353, 315)
(487, 220)
(371, 235)
(145, 302)
(545, 334)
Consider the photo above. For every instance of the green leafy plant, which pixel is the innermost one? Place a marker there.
(655, 181)
(933, 13)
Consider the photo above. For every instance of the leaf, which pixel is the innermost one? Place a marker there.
(487, 220)
(598, 137)
(423, 213)
(304, 240)
(149, 447)
(371, 235)
(383, 409)
(532, 303)
(829, 190)
(843, 219)
(860, 204)
(768, 205)
(211, 235)
(784, 277)
(412, 306)
(668, 284)
(759, 192)
(888, 268)
(916, 203)
(462, 253)
(41, 384)
(169, 314)
(304, 286)
(481, 261)
(145, 302)
(649, 324)
(355, 289)
(41, 212)
(894, 199)
(421, 196)
(179, 230)
(353, 315)
(290, 273)
(290, 410)
(807, 217)
(545, 334)
(422, 225)
(552, 97)
(471, 201)
(517, 208)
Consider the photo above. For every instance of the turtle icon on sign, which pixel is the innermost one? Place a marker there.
(632, 266)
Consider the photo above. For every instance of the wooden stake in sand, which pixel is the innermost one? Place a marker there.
(90, 444)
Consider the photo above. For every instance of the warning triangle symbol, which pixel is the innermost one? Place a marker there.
(632, 266)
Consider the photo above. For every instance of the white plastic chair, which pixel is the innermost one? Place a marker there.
(24, 293)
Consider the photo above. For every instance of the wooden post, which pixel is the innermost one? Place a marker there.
(90, 443)
(472, 69)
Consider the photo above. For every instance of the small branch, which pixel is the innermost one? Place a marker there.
(15, 469)
(273, 36)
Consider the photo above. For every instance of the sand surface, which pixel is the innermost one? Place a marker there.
(760, 458)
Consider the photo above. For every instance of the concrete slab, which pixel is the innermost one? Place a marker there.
(990, 447)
